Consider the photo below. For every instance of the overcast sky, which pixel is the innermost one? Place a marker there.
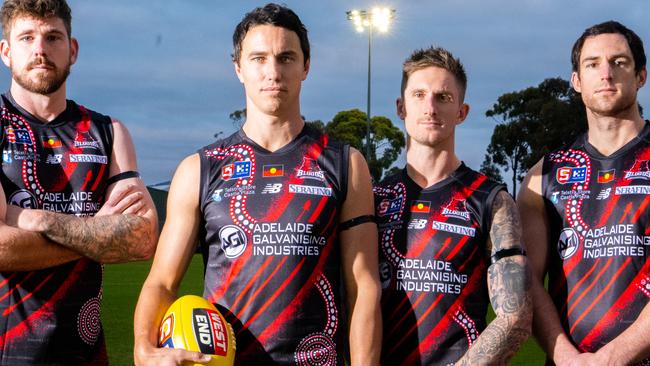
(163, 66)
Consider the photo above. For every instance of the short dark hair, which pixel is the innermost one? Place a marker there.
(633, 41)
(271, 14)
(434, 57)
(41, 9)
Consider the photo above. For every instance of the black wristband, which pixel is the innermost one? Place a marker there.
(121, 176)
(503, 253)
(356, 221)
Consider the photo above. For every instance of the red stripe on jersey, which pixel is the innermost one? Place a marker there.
(404, 336)
(578, 284)
(627, 210)
(98, 179)
(409, 310)
(28, 276)
(442, 248)
(469, 258)
(10, 309)
(6, 280)
(318, 209)
(396, 309)
(274, 296)
(641, 209)
(458, 247)
(602, 293)
(33, 321)
(438, 331)
(69, 168)
(235, 268)
(295, 304)
(610, 318)
(593, 283)
(251, 281)
(260, 288)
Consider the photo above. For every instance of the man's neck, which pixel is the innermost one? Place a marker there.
(44, 107)
(609, 134)
(429, 165)
(272, 132)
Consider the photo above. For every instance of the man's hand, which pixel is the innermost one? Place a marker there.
(124, 200)
(167, 357)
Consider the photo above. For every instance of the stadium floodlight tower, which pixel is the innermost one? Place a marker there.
(379, 19)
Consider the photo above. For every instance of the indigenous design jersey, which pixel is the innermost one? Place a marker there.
(52, 316)
(433, 265)
(599, 275)
(271, 248)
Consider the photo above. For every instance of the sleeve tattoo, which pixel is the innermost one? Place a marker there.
(105, 239)
(509, 287)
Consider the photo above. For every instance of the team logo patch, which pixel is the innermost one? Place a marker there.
(606, 176)
(272, 188)
(567, 244)
(216, 195)
(638, 171)
(566, 175)
(309, 169)
(417, 224)
(85, 140)
(384, 274)
(233, 241)
(166, 331)
(209, 331)
(456, 209)
(6, 156)
(421, 206)
(451, 228)
(11, 134)
(88, 158)
(312, 190)
(625, 190)
(54, 158)
(604, 194)
(22, 137)
(237, 170)
(389, 207)
(23, 198)
(269, 171)
(52, 143)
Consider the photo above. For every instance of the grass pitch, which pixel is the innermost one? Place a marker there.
(122, 284)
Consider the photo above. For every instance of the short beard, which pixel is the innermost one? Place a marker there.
(44, 85)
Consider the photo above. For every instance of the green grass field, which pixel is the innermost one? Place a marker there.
(122, 283)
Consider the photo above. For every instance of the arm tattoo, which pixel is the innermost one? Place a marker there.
(509, 285)
(106, 239)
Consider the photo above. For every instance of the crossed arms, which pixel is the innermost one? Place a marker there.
(124, 229)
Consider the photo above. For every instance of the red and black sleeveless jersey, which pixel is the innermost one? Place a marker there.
(270, 246)
(52, 316)
(433, 265)
(599, 273)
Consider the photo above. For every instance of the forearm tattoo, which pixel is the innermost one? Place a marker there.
(509, 284)
(106, 239)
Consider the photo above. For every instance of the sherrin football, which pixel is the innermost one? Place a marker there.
(194, 324)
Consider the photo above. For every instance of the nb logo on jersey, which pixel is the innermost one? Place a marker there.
(417, 224)
(272, 188)
(233, 241)
(604, 194)
(54, 159)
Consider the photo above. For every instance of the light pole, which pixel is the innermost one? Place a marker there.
(379, 18)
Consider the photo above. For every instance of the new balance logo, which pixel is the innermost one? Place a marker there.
(604, 194)
(272, 188)
(54, 159)
(417, 224)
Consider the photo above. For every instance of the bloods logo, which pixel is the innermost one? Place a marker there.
(457, 209)
(85, 140)
(240, 169)
(638, 171)
(388, 207)
(310, 170)
(233, 241)
(566, 175)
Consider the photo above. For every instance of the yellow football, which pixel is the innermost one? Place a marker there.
(193, 323)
